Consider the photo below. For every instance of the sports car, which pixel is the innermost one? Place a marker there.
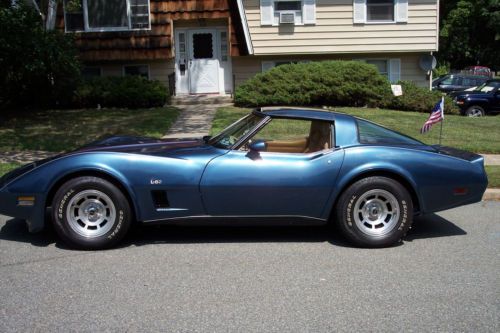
(281, 166)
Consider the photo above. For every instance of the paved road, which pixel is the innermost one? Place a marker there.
(445, 277)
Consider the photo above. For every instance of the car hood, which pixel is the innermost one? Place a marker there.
(123, 144)
(139, 145)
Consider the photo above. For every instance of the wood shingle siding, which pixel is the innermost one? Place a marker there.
(157, 43)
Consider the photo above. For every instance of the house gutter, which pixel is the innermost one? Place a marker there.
(244, 24)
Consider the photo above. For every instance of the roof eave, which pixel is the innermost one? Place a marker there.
(244, 24)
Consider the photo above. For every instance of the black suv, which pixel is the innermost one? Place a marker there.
(480, 101)
(457, 82)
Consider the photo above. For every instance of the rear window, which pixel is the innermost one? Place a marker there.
(369, 133)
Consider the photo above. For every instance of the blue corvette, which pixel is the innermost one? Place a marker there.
(280, 166)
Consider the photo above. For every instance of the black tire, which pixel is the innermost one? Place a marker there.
(100, 215)
(474, 111)
(367, 220)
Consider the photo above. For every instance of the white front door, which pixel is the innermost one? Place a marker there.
(203, 62)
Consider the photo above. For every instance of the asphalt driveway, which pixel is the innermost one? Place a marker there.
(445, 277)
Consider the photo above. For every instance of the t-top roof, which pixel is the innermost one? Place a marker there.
(302, 113)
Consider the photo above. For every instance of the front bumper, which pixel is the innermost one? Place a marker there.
(34, 215)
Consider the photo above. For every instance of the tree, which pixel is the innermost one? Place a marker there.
(37, 67)
(470, 33)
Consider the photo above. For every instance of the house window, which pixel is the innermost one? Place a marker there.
(380, 10)
(291, 11)
(382, 66)
(106, 15)
(387, 67)
(136, 70)
(288, 7)
(90, 72)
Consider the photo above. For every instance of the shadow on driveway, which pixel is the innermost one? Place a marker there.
(430, 226)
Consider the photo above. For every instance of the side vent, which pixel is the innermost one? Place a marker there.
(287, 18)
(160, 199)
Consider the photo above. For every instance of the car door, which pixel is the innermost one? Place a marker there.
(290, 178)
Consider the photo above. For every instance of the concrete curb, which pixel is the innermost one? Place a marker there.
(492, 194)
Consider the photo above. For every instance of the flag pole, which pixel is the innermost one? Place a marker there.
(441, 132)
(442, 120)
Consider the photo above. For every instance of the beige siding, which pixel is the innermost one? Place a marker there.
(158, 70)
(246, 67)
(334, 31)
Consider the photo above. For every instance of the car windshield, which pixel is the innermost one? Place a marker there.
(487, 87)
(228, 137)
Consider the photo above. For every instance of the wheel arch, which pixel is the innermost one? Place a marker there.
(406, 183)
(93, 173)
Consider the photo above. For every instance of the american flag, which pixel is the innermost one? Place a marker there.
(437, 115)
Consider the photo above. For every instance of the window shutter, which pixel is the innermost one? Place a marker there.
(267, 65)
(359, 11)
(309, 10)
(266, 12)
(401, 10)
(394, 70)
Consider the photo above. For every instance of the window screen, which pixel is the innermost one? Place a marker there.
(107, 13)
(380, 10)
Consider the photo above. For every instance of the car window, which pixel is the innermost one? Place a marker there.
(294, 136)
(447, 81)
(468, 82)
(370, 133)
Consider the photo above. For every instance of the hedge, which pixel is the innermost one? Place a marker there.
(126, 92)
(418, 99)
(340, 83)
(334, 83)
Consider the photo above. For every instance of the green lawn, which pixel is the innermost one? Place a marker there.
(481, 135)
(493, 172)
(6, 167)
(61, 130)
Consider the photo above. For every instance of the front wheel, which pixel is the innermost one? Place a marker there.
(90, 213)
(375, 212)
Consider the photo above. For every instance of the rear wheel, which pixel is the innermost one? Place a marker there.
(375, 212)
(90, 213)
(474, 111)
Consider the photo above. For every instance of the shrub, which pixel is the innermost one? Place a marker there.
(342, 83)
(127, 92)
(37, 67)
(418, 99)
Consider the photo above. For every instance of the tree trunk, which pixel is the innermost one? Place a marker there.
(50, 23)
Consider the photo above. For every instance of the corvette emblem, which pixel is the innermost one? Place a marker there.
(156, 181)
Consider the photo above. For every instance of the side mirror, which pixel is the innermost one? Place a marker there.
(207, 138)
(258, 146)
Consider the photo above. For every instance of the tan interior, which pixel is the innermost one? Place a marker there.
(292, 146)
(320, 138)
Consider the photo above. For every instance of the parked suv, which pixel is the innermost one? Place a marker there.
(457, 82)
(483, 100)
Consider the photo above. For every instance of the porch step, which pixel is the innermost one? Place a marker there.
(201, 99)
